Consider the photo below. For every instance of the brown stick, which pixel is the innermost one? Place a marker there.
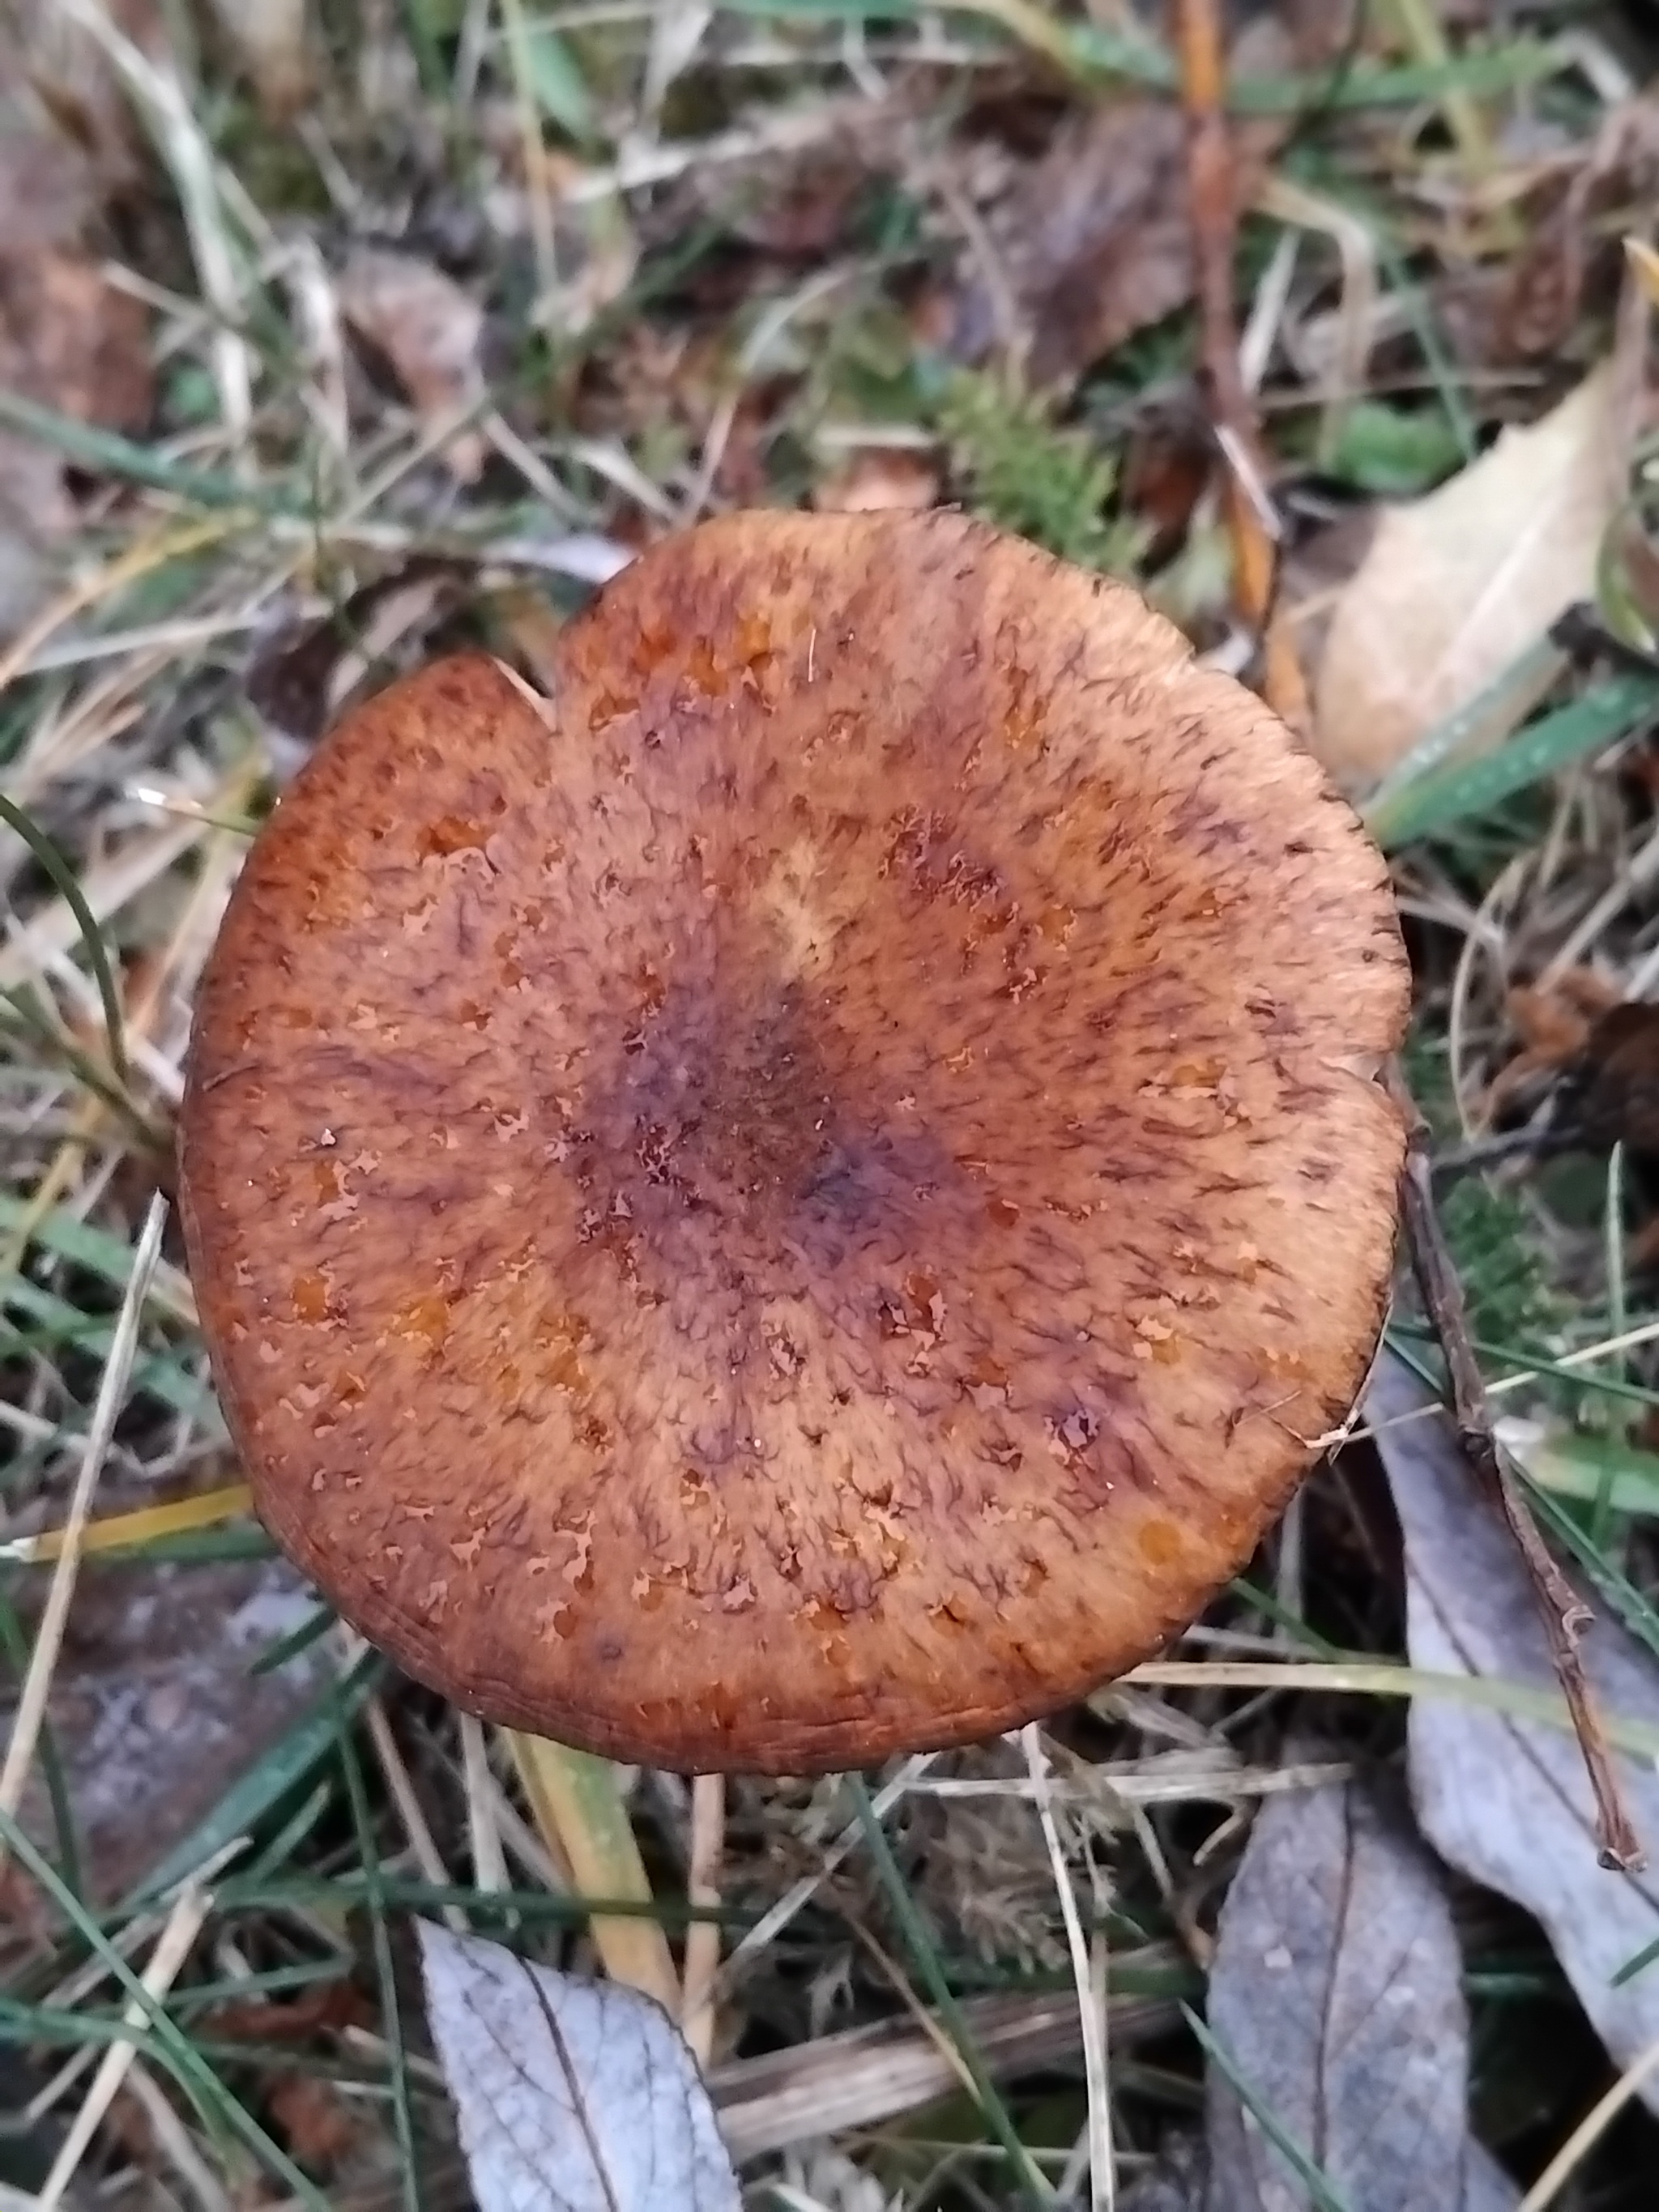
(1213, 198)
(1565, 1615)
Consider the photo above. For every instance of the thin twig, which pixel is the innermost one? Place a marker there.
(1212, 198)
(1565, 1612)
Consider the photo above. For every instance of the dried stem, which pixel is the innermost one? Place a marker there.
(1212, 198)
(1565, 1612)
(703, 1937)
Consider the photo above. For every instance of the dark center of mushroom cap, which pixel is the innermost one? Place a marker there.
(810, 1199)
(737, 1132)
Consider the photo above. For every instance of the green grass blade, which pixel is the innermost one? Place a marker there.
(1631, 1967)
(60, 1323)
(1632, 1608)
(288, 1838)
(316, 1623)
(920, 1944)
(66, 1236)
(391, 2020)
(1322, 2193)
(64, 882)
(212, 2099)
(1608, 712)
(555, 79)
(105, 452)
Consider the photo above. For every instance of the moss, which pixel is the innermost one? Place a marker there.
(1023, 471)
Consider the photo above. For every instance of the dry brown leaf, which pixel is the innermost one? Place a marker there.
(1457, 585)
(1095, 242)
(269, 37)
(1610, 1093)
(322, 2129)
(68, 339)
(1505, 1800)
(1336, 1991)
(880, 477)
(52, 70)
(430, 331)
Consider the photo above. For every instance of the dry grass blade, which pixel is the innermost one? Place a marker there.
(172, 1948)
(861, 2077)
(703, 1937)
(578, 1806)
(121, 1532)
(777, 1917)
(1102, 2169)
(489, 1860)
(1568, 2160)
(158, 92)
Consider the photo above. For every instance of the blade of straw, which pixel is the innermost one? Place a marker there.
(579, 1808)
(173, 1946)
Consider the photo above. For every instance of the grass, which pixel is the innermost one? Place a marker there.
(731, 265)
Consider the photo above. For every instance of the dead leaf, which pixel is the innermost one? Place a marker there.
(322, 2129)
(572, 2096)
(1553, 1021)
(1337, 1992)
(270, 41)
(1503, 1799)
(1457, 585)
(290, 2020)
(430, 331)
(68, 339)
(1609, 1094)
(155, 1709)
(74, 85)
(302, 672)
(1165, 471)
(1094, 242)
(880, 477)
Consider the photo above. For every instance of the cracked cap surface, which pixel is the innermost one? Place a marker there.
(810, 1196)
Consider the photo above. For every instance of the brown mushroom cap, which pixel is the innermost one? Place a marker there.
(812, 1197)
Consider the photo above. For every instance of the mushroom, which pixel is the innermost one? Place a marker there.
(811, 1194)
